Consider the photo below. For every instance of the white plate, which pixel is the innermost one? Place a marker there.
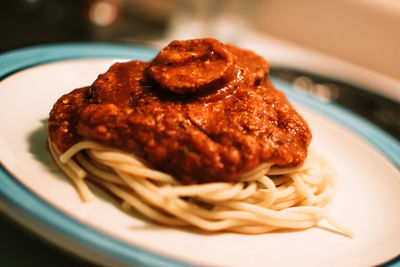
(33, 190)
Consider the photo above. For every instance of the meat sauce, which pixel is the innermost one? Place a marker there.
(201, 110)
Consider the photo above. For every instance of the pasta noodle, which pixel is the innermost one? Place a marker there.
(263, 200)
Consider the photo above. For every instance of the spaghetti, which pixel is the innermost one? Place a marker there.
(262, 200)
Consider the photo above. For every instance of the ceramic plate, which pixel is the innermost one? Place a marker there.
(34, 192)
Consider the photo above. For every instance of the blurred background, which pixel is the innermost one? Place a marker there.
(365, 32)
(343, 51)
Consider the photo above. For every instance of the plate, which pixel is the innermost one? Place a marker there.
(36, 194)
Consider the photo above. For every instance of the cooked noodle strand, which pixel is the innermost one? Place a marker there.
(263, 200)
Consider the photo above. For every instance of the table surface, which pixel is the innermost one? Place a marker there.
(20, 247)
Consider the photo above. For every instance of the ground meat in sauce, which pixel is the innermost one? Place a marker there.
(201, 111)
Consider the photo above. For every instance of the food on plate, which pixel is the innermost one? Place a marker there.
(198, 137)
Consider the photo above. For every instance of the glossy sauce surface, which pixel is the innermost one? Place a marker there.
(201, 111)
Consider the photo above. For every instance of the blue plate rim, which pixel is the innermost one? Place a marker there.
(21, 198)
